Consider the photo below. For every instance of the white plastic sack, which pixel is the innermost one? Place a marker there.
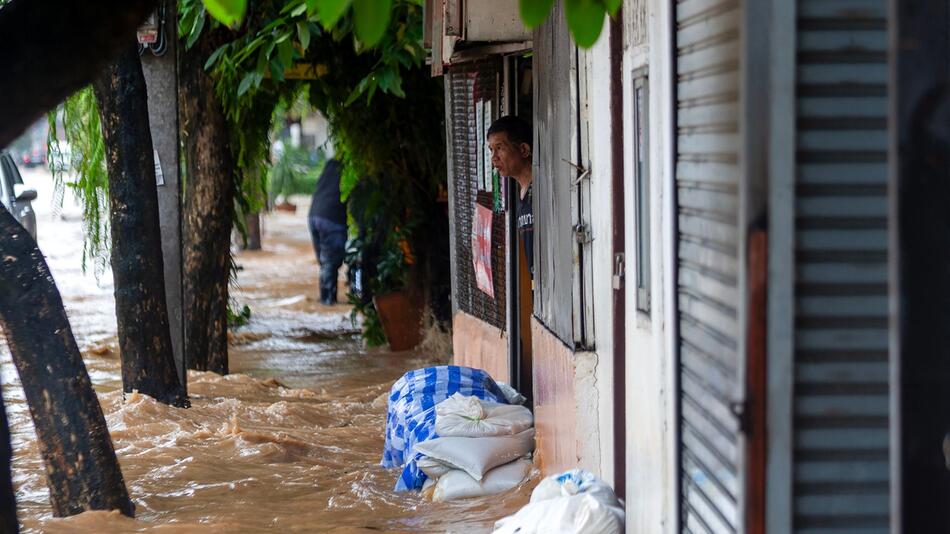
(433, 469)
(466, 406)
(470, 417)
(458, 484)
(574, 482)
(476, 456)
(577, 514)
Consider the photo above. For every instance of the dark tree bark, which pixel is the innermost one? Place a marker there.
(8, 519)
(210, 174)
(145, 345)
(50, 49)
(252, 222)
(81, 467)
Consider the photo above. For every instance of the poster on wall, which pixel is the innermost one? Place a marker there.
(481, 249)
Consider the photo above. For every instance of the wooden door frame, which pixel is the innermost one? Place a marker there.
(618, 217)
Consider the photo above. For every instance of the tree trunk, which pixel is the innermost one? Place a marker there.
(210, 174)
(145, 345)
(51, 49)
(8, 519)
(81, 467)
(253, 224)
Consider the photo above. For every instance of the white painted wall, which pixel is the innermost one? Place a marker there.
(594, 370)
(650, 415)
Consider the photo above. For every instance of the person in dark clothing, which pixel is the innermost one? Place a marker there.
(510, 142)
(327, 222)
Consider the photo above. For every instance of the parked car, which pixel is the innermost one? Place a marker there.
(33, 157)
(16, 196)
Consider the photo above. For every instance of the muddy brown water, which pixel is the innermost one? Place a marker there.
(291, 441)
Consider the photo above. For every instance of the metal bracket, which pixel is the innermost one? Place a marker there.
(582, 234)
(584, 173)
(619, 271)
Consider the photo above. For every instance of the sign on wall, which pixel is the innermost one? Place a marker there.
(481, 249)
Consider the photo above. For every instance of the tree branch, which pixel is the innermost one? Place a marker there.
(51, 48)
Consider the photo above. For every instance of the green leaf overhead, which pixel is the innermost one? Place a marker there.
(330, 11)
(303, 34)
(612, 6)
(585, 19)
(228, 12)
(533, 12)
(370, 19)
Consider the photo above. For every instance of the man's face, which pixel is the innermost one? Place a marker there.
(510, 159)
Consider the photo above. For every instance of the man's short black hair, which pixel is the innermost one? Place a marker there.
(517, 129)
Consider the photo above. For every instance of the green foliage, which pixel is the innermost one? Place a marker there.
(328, 11)
(294, 173)
(228, 12)
(391, 149)
(239, 318)
(585, 20)
(373, 333)
(370, 19)
(533, 12)
(86, 159)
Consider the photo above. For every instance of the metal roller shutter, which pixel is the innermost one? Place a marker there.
(841, 481)
(708, 174)
(471, 83)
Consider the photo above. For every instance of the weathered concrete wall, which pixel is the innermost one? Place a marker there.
(554, 401)
(478, 344)
(161, 78)
(595, 371)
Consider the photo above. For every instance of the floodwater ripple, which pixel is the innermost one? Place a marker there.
(290, 442)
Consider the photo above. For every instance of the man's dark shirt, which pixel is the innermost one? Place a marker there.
(526, 229)
(326, 199)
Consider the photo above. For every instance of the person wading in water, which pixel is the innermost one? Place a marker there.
(327, 222)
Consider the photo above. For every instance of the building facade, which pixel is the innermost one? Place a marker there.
(712, 322)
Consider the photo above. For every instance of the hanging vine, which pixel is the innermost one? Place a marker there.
(82, 168)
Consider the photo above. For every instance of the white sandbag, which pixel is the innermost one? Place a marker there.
(511, 394)
(470, 417)
(457, 484)
(466, 406)
(433, 469)
(476, 456)
(574, 482)
(577, 514)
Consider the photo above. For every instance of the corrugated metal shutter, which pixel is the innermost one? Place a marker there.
(708, 170)
(841, 481)
(470, 83)
(555, 120)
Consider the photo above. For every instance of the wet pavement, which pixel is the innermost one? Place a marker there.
(290, 441)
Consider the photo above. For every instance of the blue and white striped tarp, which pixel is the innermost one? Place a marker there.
(410, 418)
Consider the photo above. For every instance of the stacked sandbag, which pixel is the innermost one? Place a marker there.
(482, 448)
(574, 502)
(411, 412)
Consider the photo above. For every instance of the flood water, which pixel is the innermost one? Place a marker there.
(290, 441)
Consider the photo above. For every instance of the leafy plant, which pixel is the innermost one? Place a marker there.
(239, 318)
(87, 161)
(585, 18)
(294, 172)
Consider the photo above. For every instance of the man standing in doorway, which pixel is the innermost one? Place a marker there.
(510, 142)
(327, 221)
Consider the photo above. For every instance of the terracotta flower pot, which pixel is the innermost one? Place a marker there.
(401, 317)
(286, 206)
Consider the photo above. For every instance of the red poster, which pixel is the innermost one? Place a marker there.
(481, 249)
